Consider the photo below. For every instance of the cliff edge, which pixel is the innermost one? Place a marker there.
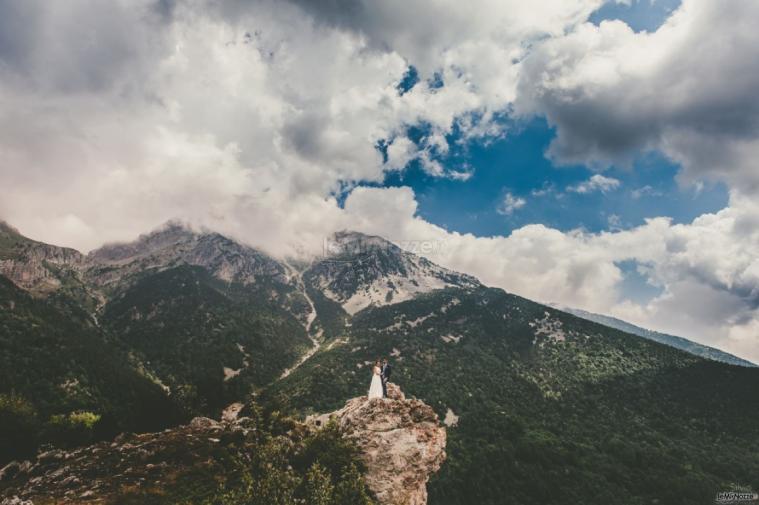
(401, 440)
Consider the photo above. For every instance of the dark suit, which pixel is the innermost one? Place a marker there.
(385, 373)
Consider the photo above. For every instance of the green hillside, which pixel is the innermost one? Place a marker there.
(551, 408)
(53, 365)
(187, 326)
(670, 340)
(542, 407)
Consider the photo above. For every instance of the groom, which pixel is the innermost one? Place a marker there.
(385, 372)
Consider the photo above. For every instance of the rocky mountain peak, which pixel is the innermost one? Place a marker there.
(34, 265)
(347, 243)
(401, 440)
(6, 228)
(170, 236)
(176, 243)
(360, 270)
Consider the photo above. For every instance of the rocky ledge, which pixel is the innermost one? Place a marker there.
(130, 466)
(401, 441)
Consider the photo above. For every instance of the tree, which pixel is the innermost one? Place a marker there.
(351, 490)
(319, 488)
(19, 427)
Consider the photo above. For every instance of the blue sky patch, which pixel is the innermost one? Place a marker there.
(560, 197)
(635, 285)
(640, 15)
(513, 183)
(409, 80)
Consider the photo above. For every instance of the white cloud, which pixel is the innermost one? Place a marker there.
(464, 174)
(708, 269)
(400, 152)
(548, 188)
(687, 89)
(596, 182)
(646, 190)
(510, 203)
(201, 110)
(247, 116)
(615, 222)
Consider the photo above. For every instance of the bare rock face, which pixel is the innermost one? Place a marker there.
(359, 271)
(32, 265)
(103, 472)
(401, 440)
(15, 500)
(175, 244)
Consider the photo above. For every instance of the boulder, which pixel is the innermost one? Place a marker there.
(401, 440)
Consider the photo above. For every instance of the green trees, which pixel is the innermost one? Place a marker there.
(552, 409)
(74, 429)
(351, 489)
(19, 428)
(188, 326)
(54, 366)
(319, 488)
(293, 465)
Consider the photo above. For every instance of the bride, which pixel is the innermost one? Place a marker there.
(375, 389)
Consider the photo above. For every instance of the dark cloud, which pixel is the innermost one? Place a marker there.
(165, 9)
(592, 132)
(79, 46)
(302, 135)
(19, 30)
(347, 14)
(371, 20)
(688, 90)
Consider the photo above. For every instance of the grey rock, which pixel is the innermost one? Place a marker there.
(15, 500)
(10, 470)
(205, 423)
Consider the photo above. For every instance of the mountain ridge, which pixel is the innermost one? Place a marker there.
(393, 275)
(684, 344)
(541, 405)
(361, 270)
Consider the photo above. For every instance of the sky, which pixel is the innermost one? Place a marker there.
(597, 154)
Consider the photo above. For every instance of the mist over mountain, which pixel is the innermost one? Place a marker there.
(539, 406)
(359, 271)
(351, 180)
(671, 340)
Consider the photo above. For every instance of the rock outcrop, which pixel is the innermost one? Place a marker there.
(360, 270)
(42, 268)
(401, 441)
(32, 265)
(176, 244)
(103, 472)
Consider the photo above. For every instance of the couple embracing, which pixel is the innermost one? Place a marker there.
(380, 377)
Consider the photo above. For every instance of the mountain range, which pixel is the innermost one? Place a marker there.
(541, 406)
(671, 340)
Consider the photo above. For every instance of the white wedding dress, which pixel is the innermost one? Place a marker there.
(375, 388)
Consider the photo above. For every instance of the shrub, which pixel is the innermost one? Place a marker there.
(71, 430)
(19, 428)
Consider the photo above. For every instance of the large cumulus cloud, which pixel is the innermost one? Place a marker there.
(118, 115)
(687, 89)
(707, 270)
(249, 116)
